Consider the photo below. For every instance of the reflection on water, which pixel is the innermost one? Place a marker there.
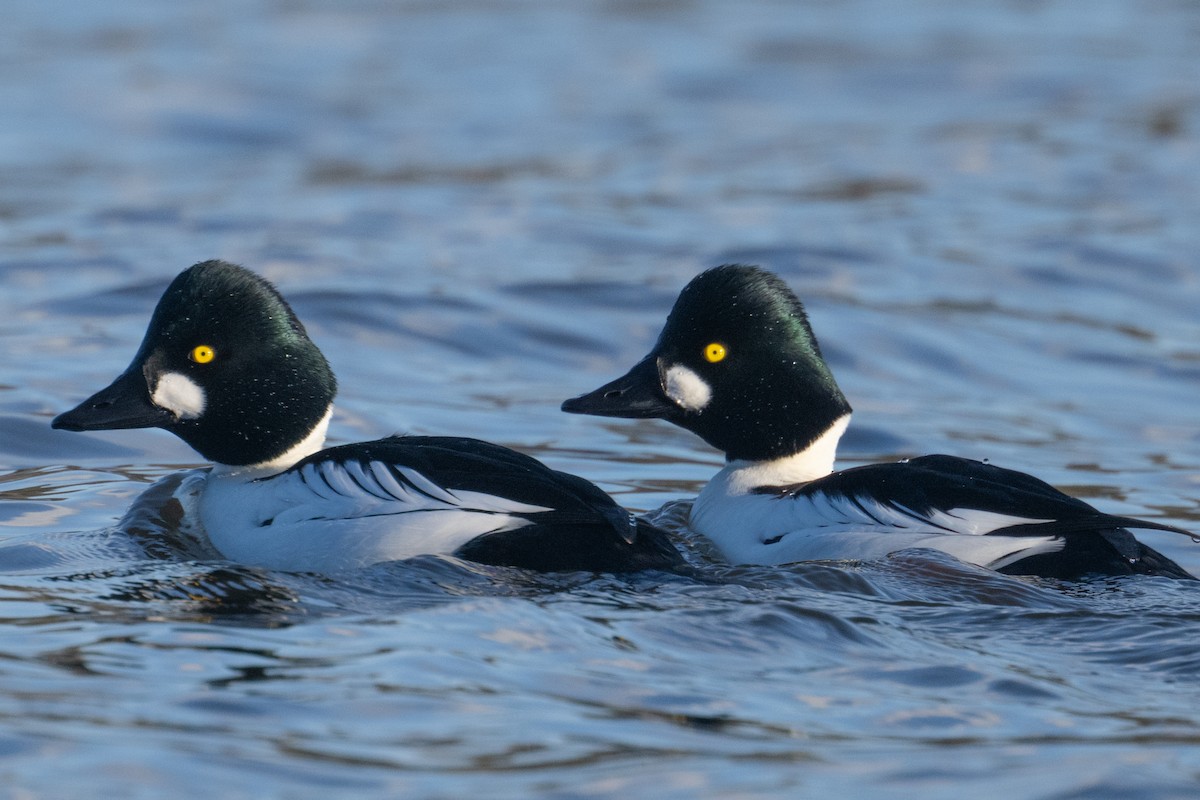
(480, 211)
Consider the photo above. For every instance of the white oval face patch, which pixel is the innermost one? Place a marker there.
(180, 395)
(685, 388)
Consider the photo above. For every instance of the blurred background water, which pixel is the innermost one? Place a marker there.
(480, 209)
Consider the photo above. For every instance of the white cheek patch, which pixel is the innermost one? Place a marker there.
(687, 389)
(180, 395)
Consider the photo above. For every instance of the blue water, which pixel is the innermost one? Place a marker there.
(480, 209)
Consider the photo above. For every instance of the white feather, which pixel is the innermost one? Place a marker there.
(814, 461)
(769, 529)
(687, 389)
(329, 516)
(180, 395)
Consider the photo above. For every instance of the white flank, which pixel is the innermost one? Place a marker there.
(180, 395)
(770, 529)
(331, 516)
(687, 389)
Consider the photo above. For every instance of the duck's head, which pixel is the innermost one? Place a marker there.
(737, 364)
(226, 366)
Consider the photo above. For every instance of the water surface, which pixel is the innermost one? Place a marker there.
(479, 210)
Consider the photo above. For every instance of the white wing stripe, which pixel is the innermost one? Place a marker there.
(428, 487)
(367, 482)
(337, 477)
(332, 490)
(824, 510)
(387, 481)
(314, 480)
(978, 522)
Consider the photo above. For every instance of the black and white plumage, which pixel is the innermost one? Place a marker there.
(738, 364)
(226, 366)
(400, 497)
(998, 518)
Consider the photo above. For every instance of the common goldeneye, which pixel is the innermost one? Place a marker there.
(226, 366)
(737, 363)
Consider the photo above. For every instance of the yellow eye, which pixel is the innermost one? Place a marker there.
(714, 352)
(202, 354)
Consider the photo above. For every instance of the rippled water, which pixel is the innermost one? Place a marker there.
(481, 209)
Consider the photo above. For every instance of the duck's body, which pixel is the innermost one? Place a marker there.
(404, 496)
(738, 364)
(228, 367)
(986, 515)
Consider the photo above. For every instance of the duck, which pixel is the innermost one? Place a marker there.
(737, 363)
(226, 365)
